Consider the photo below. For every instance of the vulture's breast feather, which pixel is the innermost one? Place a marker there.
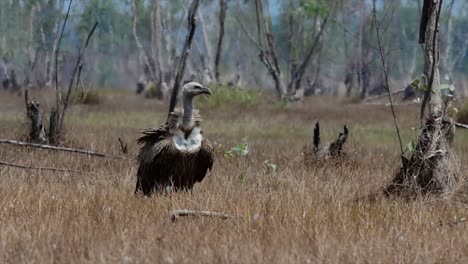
(187, 144)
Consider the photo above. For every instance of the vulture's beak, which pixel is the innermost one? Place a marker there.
(205, 90)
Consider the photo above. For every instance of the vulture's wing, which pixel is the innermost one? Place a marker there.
(205, 160)
(153, 158)
(152, 135)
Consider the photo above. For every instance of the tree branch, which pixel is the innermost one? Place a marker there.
(21, 166)
(49, 147)
(58, 96)
(387, 84)
(78, 68)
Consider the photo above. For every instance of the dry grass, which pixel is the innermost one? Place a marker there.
(292, 215)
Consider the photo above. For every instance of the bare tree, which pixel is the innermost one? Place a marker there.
(298, 72)
(265, 42)
(431, 167)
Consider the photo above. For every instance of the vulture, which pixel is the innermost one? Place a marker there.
(176, 155)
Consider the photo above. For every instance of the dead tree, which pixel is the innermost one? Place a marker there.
(185, 52)
(431, 167)
(57, 114)
(322, 152)
(298, 72)
(265, 42)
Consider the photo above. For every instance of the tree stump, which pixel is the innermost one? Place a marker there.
(321, 152)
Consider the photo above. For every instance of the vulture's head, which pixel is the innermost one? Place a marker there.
(192, 89)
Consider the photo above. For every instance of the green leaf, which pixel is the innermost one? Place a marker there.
(415, 84)
(242, 178)
(410, 147)
(239, 150)
(228, 154)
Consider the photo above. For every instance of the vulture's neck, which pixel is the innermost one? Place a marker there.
(187, 118)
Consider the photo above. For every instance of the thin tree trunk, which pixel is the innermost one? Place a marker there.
(222, 17)
(156, 37)
(206, 40)
(299, 74)
(142, 50)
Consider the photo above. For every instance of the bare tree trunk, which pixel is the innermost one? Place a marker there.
(268, 54)
(156, 41)
(185, 52)
(222, 17)
(167, 31)
(146, 58)
(298, 75)
(431, 168)
(50, 71)
(206, 40)
(32, 52)
(35, 115)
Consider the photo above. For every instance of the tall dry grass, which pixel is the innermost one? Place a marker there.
(292, 215)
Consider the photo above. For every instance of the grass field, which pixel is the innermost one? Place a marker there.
(293, 214)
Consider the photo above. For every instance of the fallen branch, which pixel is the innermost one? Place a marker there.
(465, 126)
(174, 214)
(368, 99)
(20, 166)
(41, 146)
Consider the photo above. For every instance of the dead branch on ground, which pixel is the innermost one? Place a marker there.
(49, 147)
(21, 166)
(175, 214)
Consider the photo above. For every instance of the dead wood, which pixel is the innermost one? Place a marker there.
(21, 166)
(175, 214)
(336, 148)
(321, 152)
(49, 147)
(185, 52)
(35, 116)
(123, 146)
(460, 125)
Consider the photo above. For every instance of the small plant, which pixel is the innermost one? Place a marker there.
(270, 166)
(410, 147)
(243, 178)
(240, 150)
